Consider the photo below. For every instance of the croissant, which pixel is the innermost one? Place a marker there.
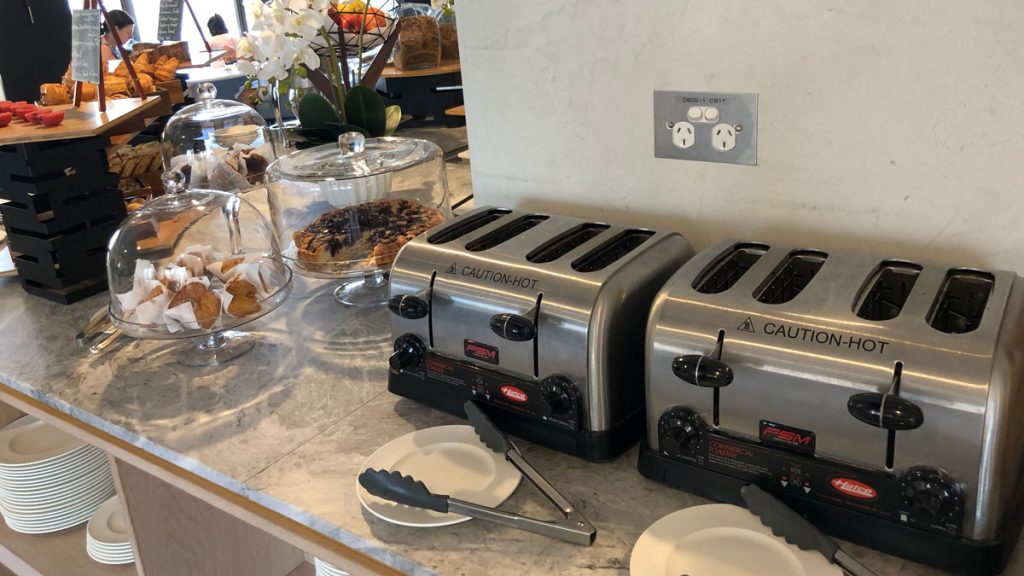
(53, 94)
(144, 64)
(166, 70)
(147, 83)
(121, 70)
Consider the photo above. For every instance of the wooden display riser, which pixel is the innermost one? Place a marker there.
(425, 94)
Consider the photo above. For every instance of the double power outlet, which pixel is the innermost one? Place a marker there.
(706, 126)
(684, 134)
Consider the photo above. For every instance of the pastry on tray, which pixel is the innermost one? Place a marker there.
(196, 291)
(366, 235)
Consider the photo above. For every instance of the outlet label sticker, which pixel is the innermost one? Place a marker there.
(478, 351)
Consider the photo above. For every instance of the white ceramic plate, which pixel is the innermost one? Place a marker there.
(63, 501)
(720, 540)
(449, 460)
(325, 569)
(108, 525)
(86, 503)
(34, 443)
(79, 456)
(48, 488)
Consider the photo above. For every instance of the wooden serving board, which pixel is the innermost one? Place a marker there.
(84, 122)
(446, 67)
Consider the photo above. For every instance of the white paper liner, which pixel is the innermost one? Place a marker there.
(181, 317)
(145, 273)
(215, 269)
(194, 264)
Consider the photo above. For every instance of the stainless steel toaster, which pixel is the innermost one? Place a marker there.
(879, 397)
(540, 318)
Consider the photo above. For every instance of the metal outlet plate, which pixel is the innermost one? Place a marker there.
(734, 109)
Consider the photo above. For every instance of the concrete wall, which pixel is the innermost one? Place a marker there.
(889, 127)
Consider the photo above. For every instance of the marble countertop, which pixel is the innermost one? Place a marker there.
(290, 424)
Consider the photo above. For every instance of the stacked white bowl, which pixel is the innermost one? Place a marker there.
(49, 480)
(107, 539)
(325, 569)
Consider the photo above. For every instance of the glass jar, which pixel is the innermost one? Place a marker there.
(345, 210)
(419, 41)
(449, 34)
(195, 264)
(218, 144)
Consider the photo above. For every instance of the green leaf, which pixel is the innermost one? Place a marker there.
(394, 116)
(365, 108)
(316, 112)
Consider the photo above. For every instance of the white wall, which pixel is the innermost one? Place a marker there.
(889, 127)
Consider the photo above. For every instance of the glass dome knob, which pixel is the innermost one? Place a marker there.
(206, 91)
(351, 143)
(174, 181)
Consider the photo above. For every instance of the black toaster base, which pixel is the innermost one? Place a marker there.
(977, 558)
(592, 446)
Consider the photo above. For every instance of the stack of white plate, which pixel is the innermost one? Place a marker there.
(325, 569)
(49, 480)
(106, 538)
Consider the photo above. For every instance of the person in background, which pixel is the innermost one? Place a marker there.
(221, 40)
(124, 27)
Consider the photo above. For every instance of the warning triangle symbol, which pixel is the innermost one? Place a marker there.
(747, 326)
(450, 269)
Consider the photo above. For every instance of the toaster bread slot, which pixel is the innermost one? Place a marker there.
(961, 301)
(506, 232)
(612, 250)
(882, 297)
(564, 243)
(464, 226)
(726, 270)
(791, 276)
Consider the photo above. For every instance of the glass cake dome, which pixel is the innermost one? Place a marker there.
(195, 264)
(345, 210)
(218, 144)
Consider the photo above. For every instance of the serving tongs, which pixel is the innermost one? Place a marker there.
(571, 527)
(99, 334)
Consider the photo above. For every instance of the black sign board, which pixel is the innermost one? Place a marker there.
(169, 24)
(85, 45)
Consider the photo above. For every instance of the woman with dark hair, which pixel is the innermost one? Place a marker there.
(124, 27)
(221, 39)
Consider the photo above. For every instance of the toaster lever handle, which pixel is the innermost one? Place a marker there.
(408, 306)
(702, 371)
(885, 411)
(513, 327)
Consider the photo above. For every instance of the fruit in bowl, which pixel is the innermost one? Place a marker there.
(349, 15)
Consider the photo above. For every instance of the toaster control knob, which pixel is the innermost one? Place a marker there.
(885, 411)
(408, 306)
(409, 353)
(702, 371)
(680, 431)
(513, 327)
(931, 494)
(556, 396)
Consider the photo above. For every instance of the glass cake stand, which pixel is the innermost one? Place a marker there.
(344, 211)
(195, 265)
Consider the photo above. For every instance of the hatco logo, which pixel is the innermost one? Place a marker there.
(514, 394)
(854, 488)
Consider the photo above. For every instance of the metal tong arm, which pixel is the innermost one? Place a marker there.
(496, 440)
(407, 490)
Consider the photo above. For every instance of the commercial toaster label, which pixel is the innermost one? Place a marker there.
(493, 276)
(822, 337)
